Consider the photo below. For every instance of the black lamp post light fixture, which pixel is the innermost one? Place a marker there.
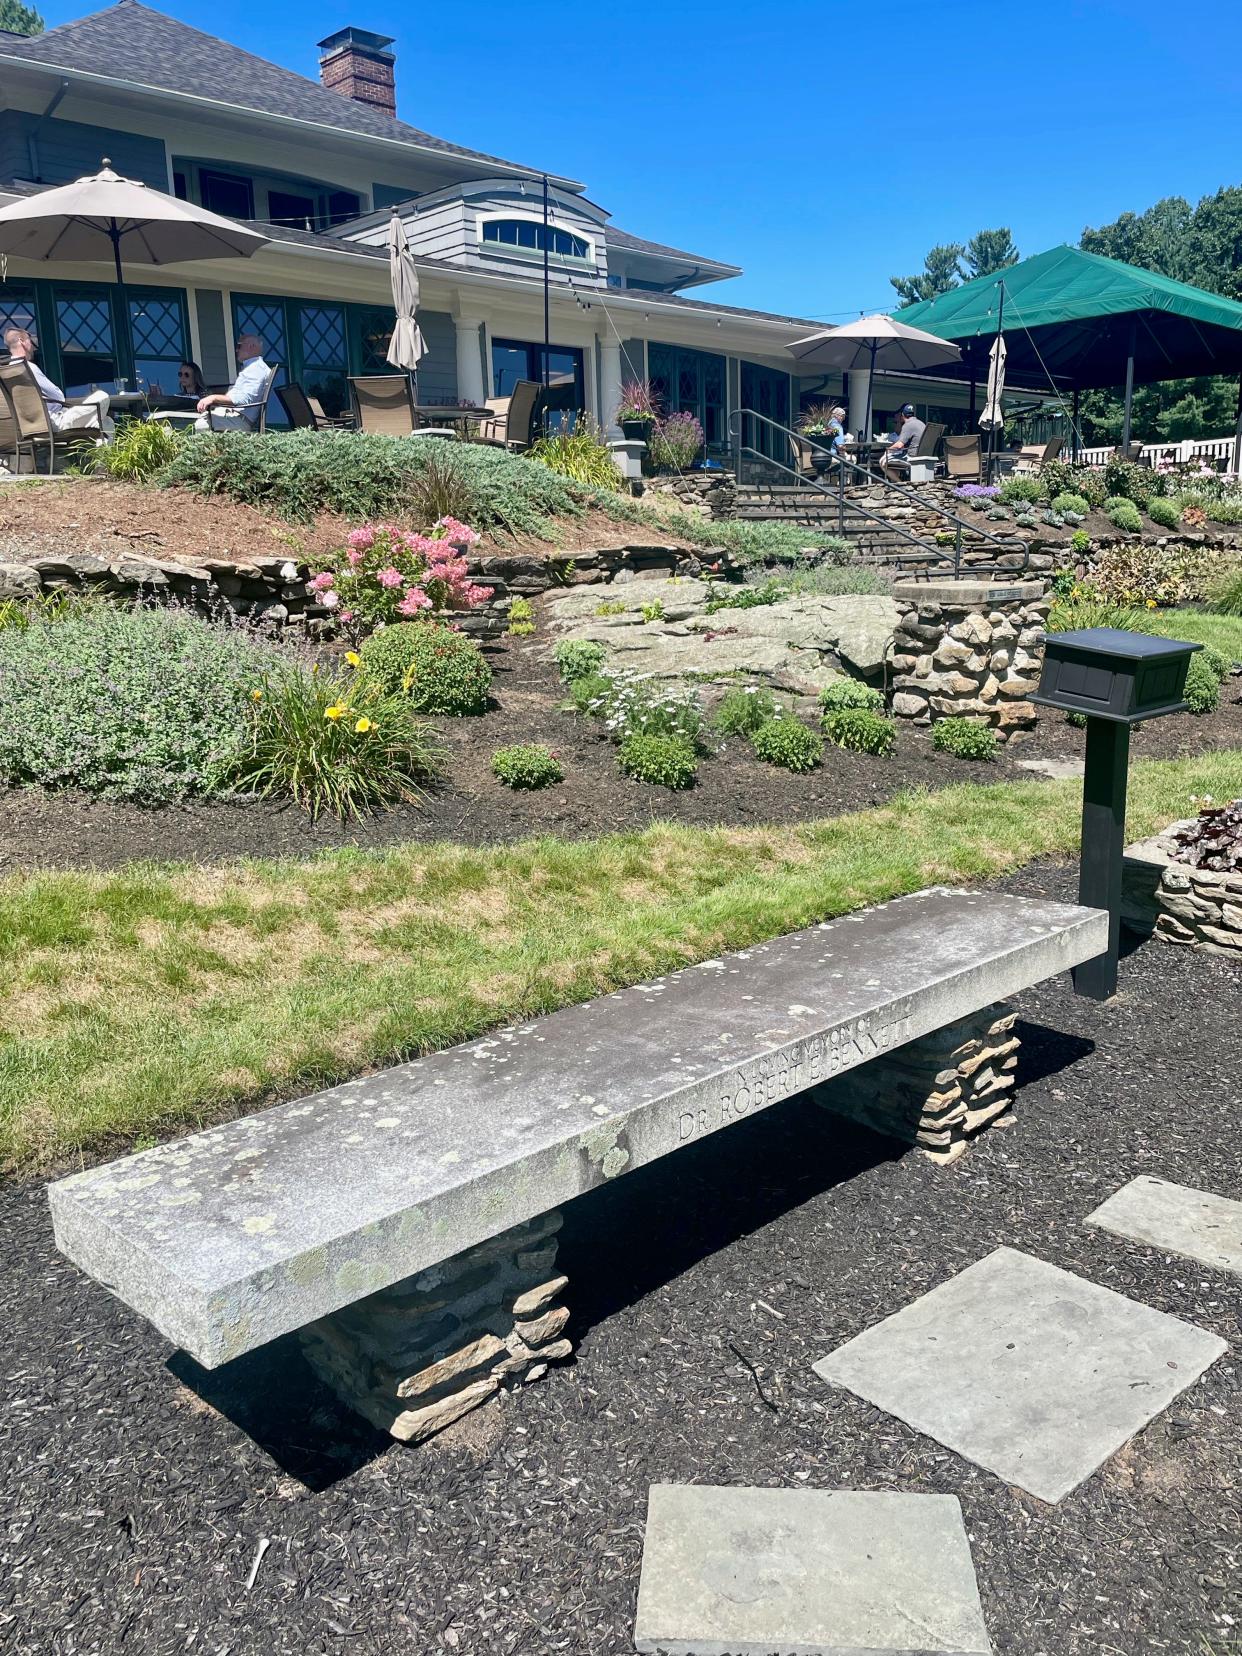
(1116, 679)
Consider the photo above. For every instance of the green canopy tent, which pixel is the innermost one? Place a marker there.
(1075, 321)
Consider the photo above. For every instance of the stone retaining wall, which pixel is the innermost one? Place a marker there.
(419, 1355)
(1198, 908)
(937, 1092)
(969, 648)
(272, 590)
(710, 494)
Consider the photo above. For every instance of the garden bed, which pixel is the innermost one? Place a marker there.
(64, 830)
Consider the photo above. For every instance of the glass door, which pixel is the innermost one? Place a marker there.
(87, 339)
(266, 319)
(158, 331)
(324, 355)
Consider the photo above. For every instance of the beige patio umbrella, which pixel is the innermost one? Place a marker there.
(993, 417)
(406, 345)
(874, 342)
(76, 221)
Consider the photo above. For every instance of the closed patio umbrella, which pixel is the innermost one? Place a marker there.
(75, 222)
(874, 342)
(992, 418)
(406, 345)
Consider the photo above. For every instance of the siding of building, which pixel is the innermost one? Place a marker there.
(56, 152)
(213, 341)
(437, 370)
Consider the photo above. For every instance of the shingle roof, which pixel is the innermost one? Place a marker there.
(131, 42)
(637, 244)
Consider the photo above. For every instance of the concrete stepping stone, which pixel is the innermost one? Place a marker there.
(1176, 1219)
(806, 1572)
(1025, 1369)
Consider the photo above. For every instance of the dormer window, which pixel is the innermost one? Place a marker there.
(528, 236)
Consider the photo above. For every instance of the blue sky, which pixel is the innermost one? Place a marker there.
(759, 134)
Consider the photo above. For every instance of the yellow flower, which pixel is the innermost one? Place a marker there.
(362, 726)
(1151, 603)
(353, 658)
(256, 695)
(334, 712)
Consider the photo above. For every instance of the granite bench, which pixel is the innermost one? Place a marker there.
(405, 1223)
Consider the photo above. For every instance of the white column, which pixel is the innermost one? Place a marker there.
(470, 384)
(609, 385)
(857, 416)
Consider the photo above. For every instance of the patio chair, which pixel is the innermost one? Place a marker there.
(963, 458)
(514, 428)
(928, 443)
(383, 403)
(29, 427)
(296, 405)
(1129, 451)
(1031, 456)
(330, 422)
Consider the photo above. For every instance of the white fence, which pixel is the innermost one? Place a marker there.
(1216, 452)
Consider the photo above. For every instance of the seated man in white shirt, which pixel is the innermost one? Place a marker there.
(238, 408)
(88, 415)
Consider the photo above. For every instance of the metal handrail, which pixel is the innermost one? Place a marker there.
(1006, 543)
(930, 551)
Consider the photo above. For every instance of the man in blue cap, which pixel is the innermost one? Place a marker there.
(909, 436)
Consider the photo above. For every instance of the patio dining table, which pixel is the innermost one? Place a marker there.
(456, 414)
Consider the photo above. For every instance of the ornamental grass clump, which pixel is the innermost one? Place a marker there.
(847, 692)
(438, 669)
(526, 765)
(663, 761)
(139, 450)
(581, 455)
(787, 743)
(387, 574)
(861, 730)
(142, 704)
(964, 738)
(743, 710)
(1225, 595)
(337, 745)
(578, 658)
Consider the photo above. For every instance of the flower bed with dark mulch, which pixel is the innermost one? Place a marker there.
(39, 829)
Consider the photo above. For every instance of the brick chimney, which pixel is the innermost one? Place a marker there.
(359, 65)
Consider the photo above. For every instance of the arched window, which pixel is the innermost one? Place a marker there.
(526, 234)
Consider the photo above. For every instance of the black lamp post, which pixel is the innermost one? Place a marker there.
(1117, 679)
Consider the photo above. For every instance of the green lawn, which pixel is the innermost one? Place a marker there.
(139, 1003)
(1223, 632)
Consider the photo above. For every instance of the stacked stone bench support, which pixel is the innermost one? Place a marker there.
(405, 1222)
(419, 1355)
(937, 1092)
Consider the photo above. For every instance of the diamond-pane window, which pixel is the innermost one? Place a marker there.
(156, 327)
(266, 319)
(84, 324)
(17, 310)
(323, 335)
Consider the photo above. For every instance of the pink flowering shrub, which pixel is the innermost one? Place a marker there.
(388, 574)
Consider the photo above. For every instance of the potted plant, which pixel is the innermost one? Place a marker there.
(636, 412)
(676, 442)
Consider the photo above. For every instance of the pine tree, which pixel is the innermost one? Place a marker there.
(18, 19)
(941, 271)
(989, 251)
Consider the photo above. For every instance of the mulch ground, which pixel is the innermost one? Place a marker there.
(137, 1490)
(121, 520)
(63, 830)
